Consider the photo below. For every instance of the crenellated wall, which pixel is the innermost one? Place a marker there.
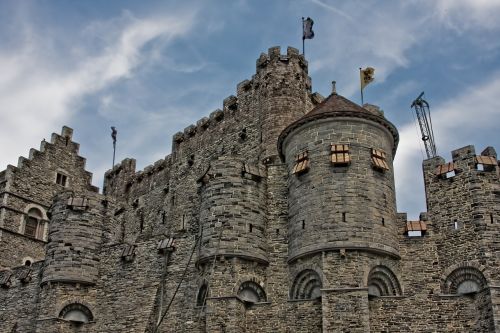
(230, 233)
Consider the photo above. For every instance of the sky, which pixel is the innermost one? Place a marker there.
(151, 68)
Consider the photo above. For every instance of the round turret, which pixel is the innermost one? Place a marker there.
(283, 89)
(232, 196)
(341, 184)
(75, 236)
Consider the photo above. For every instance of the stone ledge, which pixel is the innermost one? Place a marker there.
(337, 246)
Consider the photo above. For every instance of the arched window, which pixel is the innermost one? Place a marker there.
(250, 291)
(33, 225)
(464, 280)
(383, 282)
(77, 313)
(201, 299)
(307, 285)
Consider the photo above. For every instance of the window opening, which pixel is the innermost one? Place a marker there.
(303, 224)
(251, 292)
(61, 179)
(201, 300)
(379, 160)
(455, 225)
(32, 225)
(340, 155)
(383, 221)
(301, 163)
(250, 227)
(76, 313)
(491, 218)
(343, 217)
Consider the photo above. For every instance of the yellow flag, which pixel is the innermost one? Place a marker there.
(366, 76)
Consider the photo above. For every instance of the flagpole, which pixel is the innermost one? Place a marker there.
(113, 136)
(361, 86)
(114, 152)
(303, 39)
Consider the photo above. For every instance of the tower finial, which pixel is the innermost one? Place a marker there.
(334, 88)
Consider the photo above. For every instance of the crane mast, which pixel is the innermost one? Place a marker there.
(424, 121)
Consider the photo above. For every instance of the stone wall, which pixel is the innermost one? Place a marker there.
(19, 300)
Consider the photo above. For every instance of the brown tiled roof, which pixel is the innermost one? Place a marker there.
(339, 106)
(337, 103)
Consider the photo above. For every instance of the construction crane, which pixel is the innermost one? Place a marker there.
(424, 121)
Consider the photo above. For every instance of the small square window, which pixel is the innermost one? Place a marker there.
(340, 155)
(379, 160)
(61, 179)
(301, 163)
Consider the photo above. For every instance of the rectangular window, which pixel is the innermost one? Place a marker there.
(30, 227)
(61, 179)
(301, 163)
(340, 155)
(379, 160)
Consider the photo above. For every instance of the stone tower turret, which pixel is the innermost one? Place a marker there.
(232, 200)
(78, 228)
(463, 201)
(283, 88)
(342, 209)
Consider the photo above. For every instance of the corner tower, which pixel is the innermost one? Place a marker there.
(283, 89)
(342, 207)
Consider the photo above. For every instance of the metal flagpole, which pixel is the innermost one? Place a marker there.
(113, 135)
(361, 85)
(303, 38)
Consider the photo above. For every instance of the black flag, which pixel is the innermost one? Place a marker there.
(308, 32)
(113, 134)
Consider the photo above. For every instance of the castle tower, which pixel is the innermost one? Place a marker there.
(283, 88)
(463, 200)
(232, 220)
(70, 274)
(342, 212)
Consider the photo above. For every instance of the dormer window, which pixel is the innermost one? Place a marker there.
(340, 155)
(301, 163)
(61, 179)
(379, 160)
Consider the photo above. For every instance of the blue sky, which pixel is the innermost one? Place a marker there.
(151, 68)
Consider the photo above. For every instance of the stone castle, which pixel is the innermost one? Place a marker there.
(275, 214)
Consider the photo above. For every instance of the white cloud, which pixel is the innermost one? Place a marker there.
(38, 92)
(468, 14)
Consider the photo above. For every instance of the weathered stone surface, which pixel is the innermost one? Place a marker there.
(256, 248)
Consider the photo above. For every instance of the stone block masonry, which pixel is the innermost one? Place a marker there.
(274, 213)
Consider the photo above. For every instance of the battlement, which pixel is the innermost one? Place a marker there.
(463, 159)
(124, 175)
(274, 56)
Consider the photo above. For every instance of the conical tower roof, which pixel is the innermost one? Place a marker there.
(336, 105)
